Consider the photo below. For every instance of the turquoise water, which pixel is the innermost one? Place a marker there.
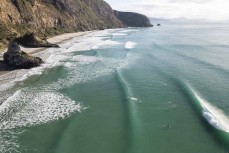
(162, 89)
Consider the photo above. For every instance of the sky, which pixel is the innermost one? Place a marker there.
(215, 10)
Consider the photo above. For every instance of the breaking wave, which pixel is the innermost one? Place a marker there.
(213, 115)
(26, 106)
(130, 45)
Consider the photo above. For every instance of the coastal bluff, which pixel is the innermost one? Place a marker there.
(131, 19)
(46, 18)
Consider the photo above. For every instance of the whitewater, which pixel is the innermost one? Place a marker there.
(162, 89)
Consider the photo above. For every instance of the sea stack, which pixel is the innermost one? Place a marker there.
(17, 58)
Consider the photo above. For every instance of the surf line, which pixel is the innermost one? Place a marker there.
(213, 115)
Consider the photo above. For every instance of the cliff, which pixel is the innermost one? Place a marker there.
(130, 19)
(46, 18)
(50, 17)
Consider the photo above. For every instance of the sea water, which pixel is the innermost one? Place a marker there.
(139, 90)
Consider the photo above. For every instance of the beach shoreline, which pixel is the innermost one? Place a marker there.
(40, 52)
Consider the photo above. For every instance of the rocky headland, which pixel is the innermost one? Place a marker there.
(131, 19)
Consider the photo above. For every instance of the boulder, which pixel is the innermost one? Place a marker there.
(17, 58)
(32, 41)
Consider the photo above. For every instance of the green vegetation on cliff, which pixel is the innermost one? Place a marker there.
(46, 18)
(51, 17)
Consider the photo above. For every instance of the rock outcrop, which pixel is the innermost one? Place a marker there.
(17, 58)
(130, 19)
(32, 41)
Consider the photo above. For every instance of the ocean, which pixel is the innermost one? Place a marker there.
(135, 90)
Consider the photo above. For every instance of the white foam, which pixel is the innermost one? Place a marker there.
(119, 34)
(105, 33)
(130, 45)
(83, 59)
(94, 67)
(128, 30)
(82, 46)
(213, 115)
(92, 41)
(65, 56)
(9, 141)
(58, 55)
(106, 44)
(27, 108)
(20, 75)
(133, 98)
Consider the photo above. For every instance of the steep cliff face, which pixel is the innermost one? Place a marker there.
(131, 19)
(51, 17)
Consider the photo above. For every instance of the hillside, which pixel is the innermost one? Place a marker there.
(51, 17)
(131, 19)
(46, 18)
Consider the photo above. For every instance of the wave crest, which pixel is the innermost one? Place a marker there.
(214, 116)
(130, 45)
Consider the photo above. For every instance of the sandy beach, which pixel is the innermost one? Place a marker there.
(40, 52)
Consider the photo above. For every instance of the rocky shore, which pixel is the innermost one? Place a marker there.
(29, 40)
(29, 23)
(20, 59)
(39, 52)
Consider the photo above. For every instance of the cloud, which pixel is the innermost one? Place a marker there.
(191, 1)
(190, 9)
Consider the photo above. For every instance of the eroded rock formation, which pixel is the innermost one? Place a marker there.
(32, 41)
(17, 58)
